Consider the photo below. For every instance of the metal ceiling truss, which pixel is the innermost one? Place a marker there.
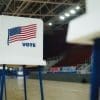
(34, 8)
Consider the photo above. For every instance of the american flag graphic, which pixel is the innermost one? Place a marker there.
(22, 33)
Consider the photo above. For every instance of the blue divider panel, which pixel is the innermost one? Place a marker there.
(95, 77)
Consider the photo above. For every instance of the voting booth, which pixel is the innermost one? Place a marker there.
(86, 30)
(21, 41)
(21, 44)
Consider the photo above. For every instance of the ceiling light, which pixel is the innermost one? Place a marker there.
(1, 67)
(67, 14)
(50, 24)
(78, 7)
(10, 69)
(6, 68)
(72, 11)
(62, 17)
(20, 72)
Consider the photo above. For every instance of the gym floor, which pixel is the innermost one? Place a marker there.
(53, 90)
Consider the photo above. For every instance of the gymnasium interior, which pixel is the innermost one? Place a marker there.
(69, 48)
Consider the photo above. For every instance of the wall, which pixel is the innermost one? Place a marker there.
(65, 77)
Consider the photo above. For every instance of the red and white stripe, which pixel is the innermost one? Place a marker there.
(27, 32)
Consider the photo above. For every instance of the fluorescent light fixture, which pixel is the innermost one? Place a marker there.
(72, 11)
(67, 14)
(1, 67)
(20, 73)
(6, 68)
(10, 69)
(62, 17)
(50, 24)
(78, 8)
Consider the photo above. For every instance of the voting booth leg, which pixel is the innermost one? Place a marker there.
(2, 83)
(5, 89)
(25, 90)
(95, 76)
(5, 83)
(41, 83)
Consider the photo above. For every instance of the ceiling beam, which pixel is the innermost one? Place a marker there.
(7, 6)
(27, 14)
(23, 8)
(33, 6)
(56, 7)
(48, 2)
(47, 7)
(22, 4)
(38, 9)
(6, 3)
(51, 11)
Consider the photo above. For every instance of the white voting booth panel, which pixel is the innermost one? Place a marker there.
(86, 28)
(21, 41)
(92, 6)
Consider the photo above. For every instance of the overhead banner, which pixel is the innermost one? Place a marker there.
(21, 41)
